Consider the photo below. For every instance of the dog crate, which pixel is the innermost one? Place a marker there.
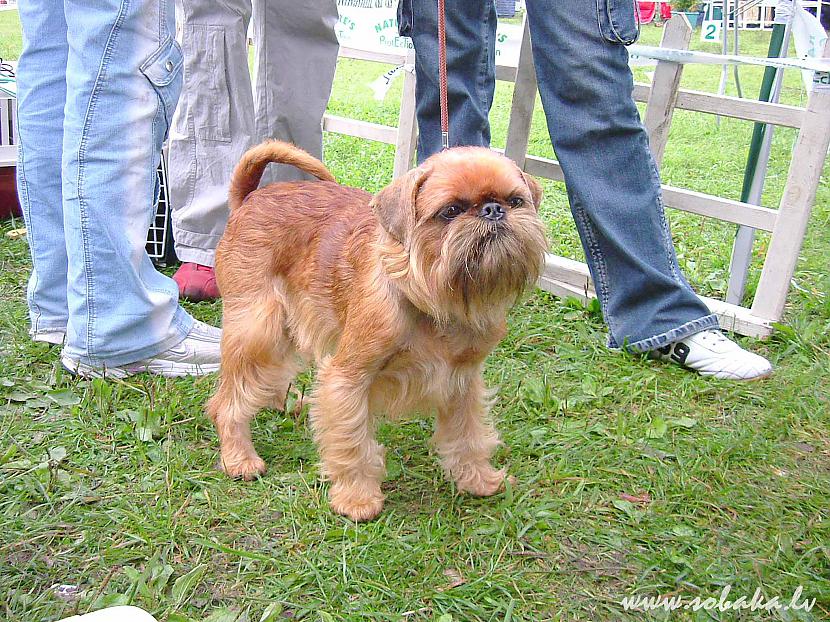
(9, 205)
(160, 235)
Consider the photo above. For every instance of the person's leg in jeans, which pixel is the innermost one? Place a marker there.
(122, 70)
(123, 79)
(471, 45)
(614, 188)
(290, 37)
(41, 97)
(612, 183)
(585, 84)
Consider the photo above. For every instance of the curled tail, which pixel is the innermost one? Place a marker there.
(249, 171)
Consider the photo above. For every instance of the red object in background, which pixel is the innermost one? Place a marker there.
(9, 205)
(196, 282)
(648, 10)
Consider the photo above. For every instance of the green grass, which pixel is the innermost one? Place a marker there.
(11, 39)
(112, 486)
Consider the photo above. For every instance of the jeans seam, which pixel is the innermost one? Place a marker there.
(162, 18)
(664, 224)
(599, 21)
(93, 99)
(482, 69)
(27, 211)
(599, 262)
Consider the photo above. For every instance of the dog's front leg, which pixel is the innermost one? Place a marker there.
(465, 439)
(351, 458)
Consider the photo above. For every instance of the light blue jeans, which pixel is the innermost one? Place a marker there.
(94, 105)
(612, 182)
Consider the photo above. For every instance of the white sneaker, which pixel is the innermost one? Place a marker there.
(196, 355)
(55, 337)
(710, 353)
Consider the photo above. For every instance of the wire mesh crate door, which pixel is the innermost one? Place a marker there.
(160, 235)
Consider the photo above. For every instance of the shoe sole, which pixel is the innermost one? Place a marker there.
(709, 374)
(166, 369)
(177, 370)
(762, 376)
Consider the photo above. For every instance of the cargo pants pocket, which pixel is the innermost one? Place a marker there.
(618, 21)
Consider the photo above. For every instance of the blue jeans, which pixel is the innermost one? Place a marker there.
(94, 105)
(612, 181)
(471, 53)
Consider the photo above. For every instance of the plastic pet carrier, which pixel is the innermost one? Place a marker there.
(160, 235)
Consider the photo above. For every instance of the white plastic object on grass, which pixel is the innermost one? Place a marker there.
(114, 614)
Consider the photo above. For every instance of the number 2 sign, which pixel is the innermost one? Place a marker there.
(711, 31)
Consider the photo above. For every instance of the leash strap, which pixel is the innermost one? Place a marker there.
(442, 76)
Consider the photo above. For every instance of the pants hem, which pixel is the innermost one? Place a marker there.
(676, 334)
(182, 323)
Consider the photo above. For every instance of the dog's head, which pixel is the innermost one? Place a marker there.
(462, 234)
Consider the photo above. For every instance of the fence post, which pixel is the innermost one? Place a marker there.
(407, 124)
(796, 205)
(664, 87)
(524, 100)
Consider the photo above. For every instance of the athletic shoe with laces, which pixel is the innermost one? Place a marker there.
(196, 282)
(710, 353)
(196, 355)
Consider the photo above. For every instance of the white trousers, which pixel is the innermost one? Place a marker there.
(220, 115)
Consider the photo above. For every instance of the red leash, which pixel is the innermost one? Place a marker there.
(442, 76)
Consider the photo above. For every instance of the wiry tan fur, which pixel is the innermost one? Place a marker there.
(397, 306)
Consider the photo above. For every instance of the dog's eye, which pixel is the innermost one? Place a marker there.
(451, 211)
(517, 201)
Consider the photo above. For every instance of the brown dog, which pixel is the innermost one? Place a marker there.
(397, 297)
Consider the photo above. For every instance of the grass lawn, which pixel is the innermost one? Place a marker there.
(632, 477)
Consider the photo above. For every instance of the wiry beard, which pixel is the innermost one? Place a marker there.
(480, 272)
(487, 266)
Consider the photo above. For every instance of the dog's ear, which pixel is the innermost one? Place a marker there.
(535, 190)
(394, 206)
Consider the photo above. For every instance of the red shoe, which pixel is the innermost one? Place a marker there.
(196, 282)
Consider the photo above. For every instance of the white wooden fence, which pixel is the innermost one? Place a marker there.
(566, 277)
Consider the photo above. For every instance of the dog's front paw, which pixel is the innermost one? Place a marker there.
(481, 481)
(247, 469)
(360, 503)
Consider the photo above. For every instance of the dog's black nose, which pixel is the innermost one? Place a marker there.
(492, 211)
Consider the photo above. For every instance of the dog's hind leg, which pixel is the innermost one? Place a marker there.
(258, 365)
(465, 440)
